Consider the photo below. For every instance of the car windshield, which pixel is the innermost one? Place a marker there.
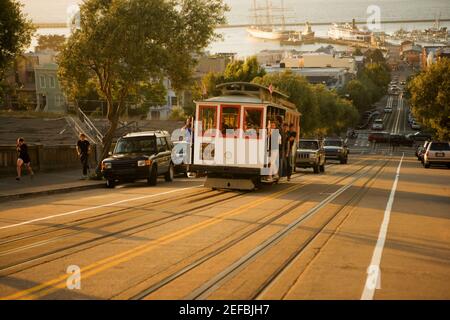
(333, 143)
(378, 121)
(309, 145)
(440, 146)
(136, 145)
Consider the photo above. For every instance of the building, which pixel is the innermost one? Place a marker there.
(34, 77)
(49, 95)
(206, 64)
(22, 78)
(430, 54)
(410, 53)
(319, 68)
(333, 78)
(163, 112)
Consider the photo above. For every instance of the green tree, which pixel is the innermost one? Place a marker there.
(375, 56)
(430, 97)
(378, 74)
(123, 43)
(357, 52)
(52, 41)
(359, 94)
(16, 31)
(300, 93)
(245, 71)
(336, 114)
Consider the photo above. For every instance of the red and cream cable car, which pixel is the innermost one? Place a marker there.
(234, 135)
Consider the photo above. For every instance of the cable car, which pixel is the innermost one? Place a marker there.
(236, 135)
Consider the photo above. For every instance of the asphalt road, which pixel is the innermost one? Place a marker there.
(377, 228)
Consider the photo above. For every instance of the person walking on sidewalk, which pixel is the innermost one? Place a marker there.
(23, 158)
(83, 150)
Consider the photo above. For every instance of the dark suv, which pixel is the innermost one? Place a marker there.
(336, 149)
(141, 155)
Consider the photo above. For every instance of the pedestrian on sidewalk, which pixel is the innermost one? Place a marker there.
(83, 150)
(23, 158)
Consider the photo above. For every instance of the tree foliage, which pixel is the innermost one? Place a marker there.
(124, 43)
(430, 97)
(16, 31)
(371, 83)
(245, 71)
(52, 41)
(323, 111)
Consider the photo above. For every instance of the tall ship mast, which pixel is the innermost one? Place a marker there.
(265, 23)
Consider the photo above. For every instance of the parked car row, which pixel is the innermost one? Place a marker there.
(392, 138)
(434, 153)
(414, 124)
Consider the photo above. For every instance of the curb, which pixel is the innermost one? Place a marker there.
(17, 196)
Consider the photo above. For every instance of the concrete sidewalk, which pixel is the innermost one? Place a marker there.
(44, 183)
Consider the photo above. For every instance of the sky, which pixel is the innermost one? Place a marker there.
(298, 10)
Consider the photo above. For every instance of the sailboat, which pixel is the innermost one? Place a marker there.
(263, 22)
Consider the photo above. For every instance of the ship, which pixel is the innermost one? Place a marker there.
(349, 32)
(265, 25)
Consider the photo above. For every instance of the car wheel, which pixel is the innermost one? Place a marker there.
(153, 178)
(316, 169)
(110, 183)
(169, 175)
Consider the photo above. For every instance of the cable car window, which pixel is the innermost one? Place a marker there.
(208, 117)
(229, 121)
(253, 121)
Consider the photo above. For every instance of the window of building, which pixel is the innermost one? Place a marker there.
(42, 81)
(52, 82)
(229, 121)
(253, 122)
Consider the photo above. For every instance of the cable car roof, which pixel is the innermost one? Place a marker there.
(245, 92)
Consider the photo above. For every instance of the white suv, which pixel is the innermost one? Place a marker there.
(437, 153)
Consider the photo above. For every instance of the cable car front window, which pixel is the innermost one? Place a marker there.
(230, 121)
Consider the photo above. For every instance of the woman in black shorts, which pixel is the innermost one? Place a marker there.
(23, 158)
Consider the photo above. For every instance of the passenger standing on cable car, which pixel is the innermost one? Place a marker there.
(281, 166)
(292, 135)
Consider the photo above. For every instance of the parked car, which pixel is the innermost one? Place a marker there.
(310, 154)
(437, 152)
(421, 151)
(335, 149)
(415, 125)
(420, 136)
(400, 140)
(379, 137)
(378, 124)
(141, 155)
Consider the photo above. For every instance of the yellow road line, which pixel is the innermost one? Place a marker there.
(107, 263)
